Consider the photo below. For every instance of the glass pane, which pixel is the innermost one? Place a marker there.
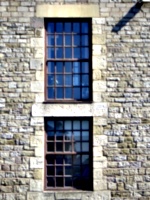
(68, 170)
(50, 170)
(59, 67)
(51, 53)
(76, 80)
(68, 40)
(59, 40)
(59, 27)
(85, 93)
(50, 93)
(68, 93)
(50, 125)
(85, 135)
(77, 160)
(51, 67)
(68, 181)
(76, 67)
(85, 40)
(50, 146)
(67, 27)
(85, 146)
(59, 159)
(59, 170)
(59, 146)
(50, 80)
(59, 52)
(68, 67)
(50, 27)
(68, 80)
(67, 125)
(76, 124)
(85, 53)
(59, 135)
(76, 135)
(50, 135)
(85, 67)
(50, 159)
(59, 93)
(68, 146)
(76, 40)
(85, 159)
(76, 52)
(59, 125)
(50, 182)
(68, 52)
(59, 80)
(59, 182)
(77, 146)
(85, 80)
(84, 27)
(76, 171)
(68, 160)
(77, 93)
(51, 40)
(76, 27)
(85, 125)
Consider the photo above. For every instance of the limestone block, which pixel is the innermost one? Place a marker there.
(99, 62)
(98, 174)
(35, 196)
(37, 121)
(39, 98)
(67, 195)
(36, 162)
(96, 74)
(36, 185)
(97, 151)
(39, 151)
(99, 39)
(99, 86)
(97, 50)
(100, 185)
(96, 29)
(100, 109)
(99, 140)
(39, 76)
(36, 64)
(100, 121)
(96, 195)
(37, 86)
(97, 97)
(37, 42)
(36, 141)
(39, 52)
(98, 20)
(100, 163)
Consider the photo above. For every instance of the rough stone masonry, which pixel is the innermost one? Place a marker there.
(120, 107)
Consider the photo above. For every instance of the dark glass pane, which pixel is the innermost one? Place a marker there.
(85, 135)
(59, 182)
(76, 52)
(67, 27)
(76, 40)
(85, 93)
(59, 67)
(59, 135)
(76, 67)
(59, 40)
(85, 80)
(68, 80)
(50, 170)
(68, 181)
(51, 53)
(68, 146)
(84, 27)
(50, 146)
(68, 40)
(50, 135)
(76, 124)
(85, 159)
(59, 52)
(59, 93)
(76, 80)
(76, 27)
(68, 52)
(51, 67)
(85, 146)
(59, 80)
(50, 159)
(59, 159)
(68, 160)
(59, 146)
(59, 170)
(50, 27)
(78, 147)
(59, 27)
(76, 172)
(50, 125)
(68, 170)
(77, 135)
(50, 80)
(50, 182)
(85, 67)
(77, 160)
(77, 93)
(85, 125)
(85, 40)
(68, 93)
(51, 40)
(68, 67)
(50, 93)
(59, 126)
(85, 53)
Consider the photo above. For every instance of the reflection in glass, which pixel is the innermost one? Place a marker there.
(77, 133)
(76, 80)
(50, 125)
(76, 27)
(67, 125)
(76, 125)
(68, 52)
(50, 135)
(50, 93)
(59, 40)
(59, 126)
(59, 27)
(77, 93)
(85, 67)
(68, 93)
(85, 135)
(85, 146)
(85, 53)
(76, 67)
(68, 67)
(59, 67)
(51, 67)
(85, 159)
(67, 27)
(59, 52)
(50, 27)
(85, 80)
(84, 27)
(85, 125)
(77, 146)
(76, 52)
(59, 93)
(68, 40)
(51, 40)
(59, 79)
(51, 53)
(85, 93)
(84, 40)
(76, 40)
(68, 146)
(50, 80)
(68, 80)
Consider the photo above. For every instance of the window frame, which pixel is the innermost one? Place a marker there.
(89, 60)
(90, 153)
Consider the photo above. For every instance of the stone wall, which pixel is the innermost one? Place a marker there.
(120, 108)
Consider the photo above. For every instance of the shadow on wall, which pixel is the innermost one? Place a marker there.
(131, 13)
